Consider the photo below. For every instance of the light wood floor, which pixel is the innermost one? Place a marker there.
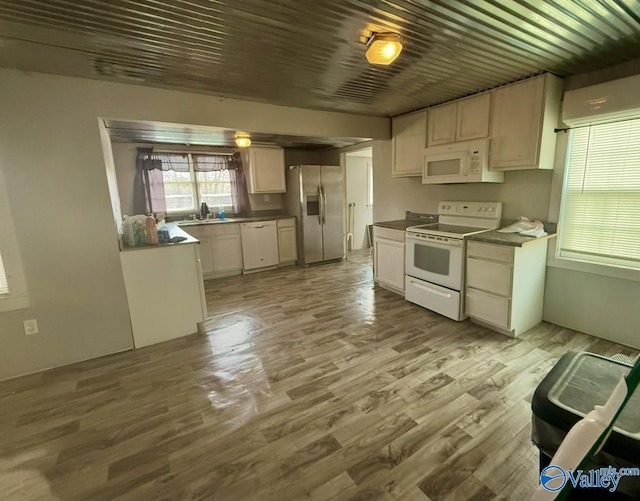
(310, 384)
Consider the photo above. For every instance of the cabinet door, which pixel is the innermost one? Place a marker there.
(206, 259)
(442, 124)
(487, 307)
(287, 250)
(227, 252)
(409, 133)
(389, 262)
(266, 170)
(489, 276)
(516, 123)
(473, 117)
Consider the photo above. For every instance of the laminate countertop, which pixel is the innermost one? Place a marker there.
(248, 219)
(511, 239)
(398, 224)
(174, 231)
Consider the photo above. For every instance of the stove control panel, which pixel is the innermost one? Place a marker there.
(489, 210)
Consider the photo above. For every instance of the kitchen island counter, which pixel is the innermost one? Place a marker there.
(174, 231)
(164, 288)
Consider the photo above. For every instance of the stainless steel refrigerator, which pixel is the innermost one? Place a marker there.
(315, 195)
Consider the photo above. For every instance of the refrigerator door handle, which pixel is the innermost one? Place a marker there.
(324, 205)
(321, 208)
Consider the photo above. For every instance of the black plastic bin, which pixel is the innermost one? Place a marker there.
(577, 383)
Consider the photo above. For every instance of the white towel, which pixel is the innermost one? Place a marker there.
(526, 227)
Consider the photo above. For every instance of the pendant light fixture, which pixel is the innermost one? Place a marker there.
(383, 48)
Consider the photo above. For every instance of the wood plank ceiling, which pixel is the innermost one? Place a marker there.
(311, 53)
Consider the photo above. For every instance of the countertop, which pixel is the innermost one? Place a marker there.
(174, 231)
(248, 219)
(512, 239)
(398, 224)
(403, 224)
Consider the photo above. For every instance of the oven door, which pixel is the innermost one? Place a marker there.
(438, 260)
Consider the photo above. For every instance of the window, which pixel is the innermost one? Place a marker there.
(189, 182)
(179, 191)
(600, 215)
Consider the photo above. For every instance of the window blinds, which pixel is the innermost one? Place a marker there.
(601, 204)
(4, 285)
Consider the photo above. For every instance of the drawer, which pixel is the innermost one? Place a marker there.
(501, 253)
(388, 233)
(488, 307)
(489, 276)
(287, 223)
(220, 229)
(212, 229)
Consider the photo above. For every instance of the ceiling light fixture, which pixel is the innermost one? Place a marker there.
(243, 141)
(383, 48)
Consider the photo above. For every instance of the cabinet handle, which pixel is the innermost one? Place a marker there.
(429, 289)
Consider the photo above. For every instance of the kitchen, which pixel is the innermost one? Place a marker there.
(78, 295)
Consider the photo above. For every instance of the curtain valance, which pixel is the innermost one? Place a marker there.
(147, 159)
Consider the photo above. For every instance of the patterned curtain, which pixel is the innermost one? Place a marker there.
(148, 186)
(239, 192)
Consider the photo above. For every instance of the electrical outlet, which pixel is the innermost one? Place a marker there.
(266, 198)
(30, 327)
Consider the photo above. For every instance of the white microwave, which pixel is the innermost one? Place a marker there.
(464, 162)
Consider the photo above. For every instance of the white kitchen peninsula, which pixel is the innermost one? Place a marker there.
(164, 289)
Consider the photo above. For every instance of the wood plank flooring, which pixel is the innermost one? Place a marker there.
(310, 384)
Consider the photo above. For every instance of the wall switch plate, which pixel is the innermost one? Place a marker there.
(30, 327)
(266, 198)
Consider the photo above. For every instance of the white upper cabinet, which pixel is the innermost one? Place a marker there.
(473, 117)
(266, 170)
(461, 120)
(442, 124)
(523, 118)
(409, 133)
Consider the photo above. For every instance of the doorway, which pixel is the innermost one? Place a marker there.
(359, 198)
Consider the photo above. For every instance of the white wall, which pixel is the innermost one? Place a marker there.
(124, 159)
(356, 176)
(523, 193)
(54, 168)
(603, 306)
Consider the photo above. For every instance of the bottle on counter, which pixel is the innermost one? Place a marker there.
(221, 214)
(140, 230)
(163, 230)
(128, 239)
(152, 231)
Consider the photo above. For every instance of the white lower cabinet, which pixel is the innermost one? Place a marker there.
(206, 255)
(388, 258)
(226, 250)
(505, 285)
(156, 277)
(287, 243)
(220, 248)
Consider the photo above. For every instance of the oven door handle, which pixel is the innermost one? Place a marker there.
(429, 289)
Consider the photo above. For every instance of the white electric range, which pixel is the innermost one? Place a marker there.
(435, 255)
